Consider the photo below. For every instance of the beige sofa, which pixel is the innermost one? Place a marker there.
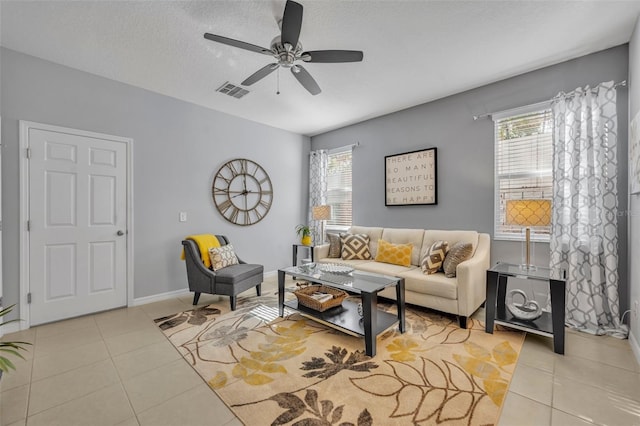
(461, 295)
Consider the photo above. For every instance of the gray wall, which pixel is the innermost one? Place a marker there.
(466, 152)
(634, 200)
(177, 149)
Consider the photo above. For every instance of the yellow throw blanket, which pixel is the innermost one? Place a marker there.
(204, 242)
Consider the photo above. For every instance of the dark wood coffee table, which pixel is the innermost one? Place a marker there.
(346, 318)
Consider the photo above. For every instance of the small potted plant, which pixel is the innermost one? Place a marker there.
(304, 232)
(12, 348)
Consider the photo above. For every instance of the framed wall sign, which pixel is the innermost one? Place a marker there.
(411, 178)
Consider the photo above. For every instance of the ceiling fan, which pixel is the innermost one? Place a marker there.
(286, 49)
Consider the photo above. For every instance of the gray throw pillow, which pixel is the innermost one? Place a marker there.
(335, 246)
(458, 253)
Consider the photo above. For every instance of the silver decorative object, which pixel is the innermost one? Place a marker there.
(528, 310)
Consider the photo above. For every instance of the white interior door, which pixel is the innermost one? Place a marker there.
(77, 224)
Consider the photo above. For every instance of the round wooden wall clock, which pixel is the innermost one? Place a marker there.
(242, 192)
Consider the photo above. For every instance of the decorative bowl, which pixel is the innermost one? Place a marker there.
(335, 268)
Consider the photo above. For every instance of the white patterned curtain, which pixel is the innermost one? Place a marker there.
(318, 161)
(584, 229)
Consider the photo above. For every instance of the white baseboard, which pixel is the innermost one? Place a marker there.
(13, 327)
(159, 297)
(634, 346)
(171, 294)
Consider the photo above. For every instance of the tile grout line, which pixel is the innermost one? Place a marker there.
(71, 400)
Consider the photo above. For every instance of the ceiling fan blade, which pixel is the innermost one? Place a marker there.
(291, 23)
(260, 74)
(305, 79)
(332, 56)
(237, 43)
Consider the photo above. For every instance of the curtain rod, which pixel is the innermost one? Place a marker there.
(338, 149)
(489, 114)
(344, 148)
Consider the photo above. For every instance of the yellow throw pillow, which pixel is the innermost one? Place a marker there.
(396, 254)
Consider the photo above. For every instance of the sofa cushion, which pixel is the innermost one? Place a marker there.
(434, 257)
(221, 257)
(374, 235)
(452, 237)
(237, 273)
(405, 236)
(384, 268)
(458, 253)
(335, 246)
(355, 246)
(435, 284)
(396, 254)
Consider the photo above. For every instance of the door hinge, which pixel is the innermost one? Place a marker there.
(28, 297)
(28, 225)
(29, 153)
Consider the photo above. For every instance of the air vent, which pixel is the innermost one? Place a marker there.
(232, 90)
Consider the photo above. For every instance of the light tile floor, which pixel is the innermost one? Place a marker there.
(117, 368)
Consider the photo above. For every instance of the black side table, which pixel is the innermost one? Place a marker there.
(549, 324)
(295, 252)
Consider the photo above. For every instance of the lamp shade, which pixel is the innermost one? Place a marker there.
(531, 212)
(322, 212)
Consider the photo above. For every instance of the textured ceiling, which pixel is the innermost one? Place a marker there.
(414, 51)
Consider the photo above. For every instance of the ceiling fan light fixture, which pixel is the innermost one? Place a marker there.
(287, 49)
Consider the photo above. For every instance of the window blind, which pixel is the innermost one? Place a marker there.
(523, 167)
(339, 188)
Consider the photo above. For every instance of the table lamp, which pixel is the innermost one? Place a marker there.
(528, 213)
(322, 213)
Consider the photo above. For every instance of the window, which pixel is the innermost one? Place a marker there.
(523, 165)
(339, 188)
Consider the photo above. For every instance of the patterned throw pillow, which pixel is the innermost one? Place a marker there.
(396, 254)
(434, 257)
(335, 246)
(458, 253)
(222, 257)
(355, 246)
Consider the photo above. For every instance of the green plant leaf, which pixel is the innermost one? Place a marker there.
(6, 310)
(12, 352)
(6, 365)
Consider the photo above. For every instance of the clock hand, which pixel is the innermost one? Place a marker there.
(245, 192)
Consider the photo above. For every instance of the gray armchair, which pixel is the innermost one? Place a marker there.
(229, 281)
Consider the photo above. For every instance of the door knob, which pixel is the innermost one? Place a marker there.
(119, 233)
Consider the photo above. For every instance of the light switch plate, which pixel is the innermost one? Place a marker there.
(183, 216)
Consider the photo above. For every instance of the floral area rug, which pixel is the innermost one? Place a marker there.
(292, 370)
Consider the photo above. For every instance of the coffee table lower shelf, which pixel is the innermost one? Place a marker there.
(346, 318)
